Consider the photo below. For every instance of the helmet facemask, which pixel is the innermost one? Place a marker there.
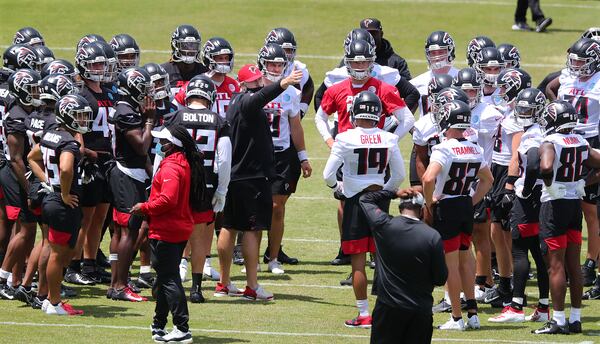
(187, 50)
(438, 57)
(359, 73)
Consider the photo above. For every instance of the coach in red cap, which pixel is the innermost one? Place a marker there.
(249, 202)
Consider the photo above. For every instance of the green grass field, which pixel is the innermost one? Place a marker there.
(309, 305)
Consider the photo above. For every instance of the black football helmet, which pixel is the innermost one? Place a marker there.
(90, 38)
(359, 34)
(486, 61)
(366, 105)
(286, 39)
(91, 62)
(468, 80)
(529, 105)
(558, 116)
(203, 87)
(63, 67)
(135, 84)
(127, 51)
(455, 114)
(475, 46)
(509, 83)
(439, 41)
(55, 86)
(45, 56)
(24, 85)
(272, 53)
(74, 112)
(359, 51)
(217, 46)
(592, 33)
(19, 56)
(583, 58)
(160, 80)
(28, 35)
(448, 95)
(436, 84)
(510, 55)
(185, 44)
(112, 65)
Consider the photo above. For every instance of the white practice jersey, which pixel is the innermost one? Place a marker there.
(299, 66)
(280, 110)
(503, 140)
(460, 161)
(365, 155)
(487, 100)
(571, 150)
(384, 73)
(485, 120)
(421, 83)
(585, 97)
(532, 138)
(425, 132)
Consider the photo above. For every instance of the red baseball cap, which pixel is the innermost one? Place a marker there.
(249, 73)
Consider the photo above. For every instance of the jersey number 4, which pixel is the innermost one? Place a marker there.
(371, 158)
(581, 106)
(462, 175)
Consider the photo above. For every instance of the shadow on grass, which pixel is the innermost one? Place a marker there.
(216, 340)
(106, 311)
(553, 29)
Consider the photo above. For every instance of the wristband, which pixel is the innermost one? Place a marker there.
(302, 156)
(510, 180)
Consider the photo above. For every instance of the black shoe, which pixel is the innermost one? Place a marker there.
(145, 280)
(238, 257)
(75, 277)
(442, 307)
(543, 24)
(591, 294)
(6, 292)
(347, 281)
(24, 295)
(196, 297)
(552, 327)
(575, 327)
(341, 259)
(109, 293)
(285, 259)
(36, 302)
(101, 260)
(94, 276)
(133, 287)
(589, 275)
(521, 26)
(67, 292)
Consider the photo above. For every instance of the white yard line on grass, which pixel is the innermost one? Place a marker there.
(269, 333)
(496, 3)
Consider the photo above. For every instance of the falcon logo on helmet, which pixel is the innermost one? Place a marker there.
(540, 98)
(135, 78)
(367, 22)
(448, 39)
(62, 84)
(19, 38)
(67, 104)
(26, 57)
(594, 50)
(512, 78)
(271, 37)
(22, 79)
(114, 44)
(514, 53)
(57, 68)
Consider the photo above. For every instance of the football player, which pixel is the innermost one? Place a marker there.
(127, 51)
(29, 36)
(510, 55)
(489, 64)
(63, 67)
(455, 164)
(363, 152)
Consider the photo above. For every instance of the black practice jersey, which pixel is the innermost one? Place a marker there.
(98, 139)
(126, 118)
(14, 123)
(38, 122)
(177, 79)
(53, 143)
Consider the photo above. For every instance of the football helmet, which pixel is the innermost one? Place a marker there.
(89, 38)
(19, 56)
(435, 85)
(203, 87)
(509, 83)
(529, 105)
(366, 105)
(592, 33)
(455, 114)
(63, 67)
(286, 39)
(28, 35)
(439, 50)
(475, 46)
(486, 60)
(558, 116)
(135, 83)
(510, 55)
(75, 113)
(185, 44)
(217, 46)
(160, 80)
(359, 50)
(470, 82)
(583, 58)
(45, 56)
(55, 86)
(357, 34)
(448, 95)
(127, 51)
(272, 52)
(91, 62)
(112, 64)
(24, 84)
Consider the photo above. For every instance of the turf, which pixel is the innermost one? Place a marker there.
(309, 305)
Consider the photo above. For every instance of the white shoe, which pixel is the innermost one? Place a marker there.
(258, 269)
(538, 316)
(183, 268)
(176, 336)
(508, 315)
(209, 272)
(453, 325)
(55, 310)
(275, 267)
(473, 323)
(45, 305)
(257, 295)
(480, 293)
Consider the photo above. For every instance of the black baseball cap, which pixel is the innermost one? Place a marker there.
(371, 24)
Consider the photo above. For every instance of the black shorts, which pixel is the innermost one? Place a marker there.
(394, 325)
(126, 192)
(96, 191)
(356, 232)
(525, 215)
(560, 223)
(63, 221)
(500, 174)
(286, 172)
(453, 219)
(16, 197)
(591, 191)
(249, 205)
(413, 175)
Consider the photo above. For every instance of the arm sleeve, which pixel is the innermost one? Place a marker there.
(376, 217)
(169, 192)
(406, 121)
(251, 103)
(333, 163)
(127, 122)
(223, 163)
(439, 270)
(409, 93)
(397, 173)
(319, 95)
(321, 120)
(531, 170)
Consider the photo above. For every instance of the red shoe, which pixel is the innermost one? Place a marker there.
(126, 294)
(70, 310)
(229, 290)
(359, 322)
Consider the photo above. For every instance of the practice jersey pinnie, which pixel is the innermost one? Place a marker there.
(571, 150)
(532, 138)
(125, 119)
(421, 83)
(37, 123)
(366, 153)
(585, 97)
(460, 161)
(52, 144)
(503, 140)
(14, 123)
(425, 132)
(5, 101)
(279, 112)
(485, 120)
(99, 138)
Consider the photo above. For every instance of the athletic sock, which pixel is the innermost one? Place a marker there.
(88, 266)
(575, 315)
(447, 297)
(456, 318)
(504, 286)
(480, 280)
(363, 307)
(196, 281)
(543, 303)
(4, 275)
(517, 303)
(559, 317)
(472, 305)
(75, 265)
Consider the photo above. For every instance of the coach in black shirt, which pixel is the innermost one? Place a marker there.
(410, 263)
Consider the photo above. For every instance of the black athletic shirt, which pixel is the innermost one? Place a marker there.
(251, 138)
(14, 123)
(6, 100)
(410, 257)
(39, 122)
(126, 118)
(176, 78)
(52, 144)
(98, 139)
